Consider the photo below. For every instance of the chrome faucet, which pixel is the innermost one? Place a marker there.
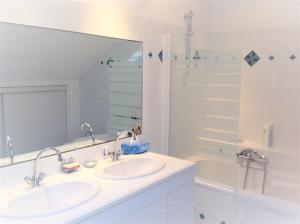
(117, 152)
(251, 155)
(10, 148)
(89, 131)
(37, 178)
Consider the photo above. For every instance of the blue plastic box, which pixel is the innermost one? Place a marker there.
(128, 149)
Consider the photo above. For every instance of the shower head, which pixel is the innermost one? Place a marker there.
(188, 15)
(188, 20)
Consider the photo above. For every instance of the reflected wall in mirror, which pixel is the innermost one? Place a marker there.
(53, 81)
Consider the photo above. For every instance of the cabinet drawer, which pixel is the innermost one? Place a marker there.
(111, 215)
(181, 205)
(153, 213)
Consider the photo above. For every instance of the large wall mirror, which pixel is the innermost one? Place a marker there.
(54, 84)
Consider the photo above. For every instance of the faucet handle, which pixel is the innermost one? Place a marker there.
(69, 160)
(41, 176)
(28, 180)
(136, 130)
(252, 155)
(115, 156)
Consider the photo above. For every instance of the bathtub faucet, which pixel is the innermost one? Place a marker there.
(251, 155)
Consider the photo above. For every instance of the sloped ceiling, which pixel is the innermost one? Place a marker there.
(31, 53)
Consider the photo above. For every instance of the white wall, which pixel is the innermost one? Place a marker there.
(269, 89)
(245, 15)
(161, 11)
(82, 17)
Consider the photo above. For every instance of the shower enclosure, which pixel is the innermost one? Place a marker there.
(205, 104)
(235, 85)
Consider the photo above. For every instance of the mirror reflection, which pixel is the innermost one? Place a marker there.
(73, 92)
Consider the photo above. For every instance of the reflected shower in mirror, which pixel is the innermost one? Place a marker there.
(60, 88)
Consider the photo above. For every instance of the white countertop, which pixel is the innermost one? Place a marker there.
(112, 191)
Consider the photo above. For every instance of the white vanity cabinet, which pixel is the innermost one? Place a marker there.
(168, 202)
(176, 207)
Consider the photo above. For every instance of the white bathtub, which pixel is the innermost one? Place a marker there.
(219, 202)
(220, 172)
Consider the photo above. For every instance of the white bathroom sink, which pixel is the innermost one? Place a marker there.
(47, 199)
(129, 167)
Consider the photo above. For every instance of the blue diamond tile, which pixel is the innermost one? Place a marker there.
(252, 58)
(202, 216)
(271, 58)
(196, 56)
(109, 60)
(292, 57)
(160, 55)
(150, 54)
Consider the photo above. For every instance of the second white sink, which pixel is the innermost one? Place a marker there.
(48, 199)
(129, 167)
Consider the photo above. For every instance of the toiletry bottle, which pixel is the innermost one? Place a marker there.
(267, 129)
